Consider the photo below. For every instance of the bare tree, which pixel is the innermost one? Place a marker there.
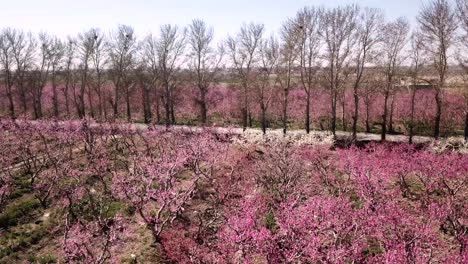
(371, 84)
(369, 25)
(438, 24)
(394, 35)
(148, 76)
(145, 84)
(85, 48)
(393, 93)
(264, 89)
(289, 51)
(23, 48)
(204, 61)
(70, 49)
(7, 63)
(465, 96)
(462, 8)
(170, 47)
(40, 74)
(308, 22)
(338, 27)
(415, 69)
(99, 61)
(122, 48)
(57, 52)
(462, 12)
(243, 55)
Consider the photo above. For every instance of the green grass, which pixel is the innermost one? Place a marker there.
(356, 201)
(90, 207)
(21, 238)
(14, 214)
(270, 221)
(44, 259)
(374, 248)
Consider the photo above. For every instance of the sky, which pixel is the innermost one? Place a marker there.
(69, 17)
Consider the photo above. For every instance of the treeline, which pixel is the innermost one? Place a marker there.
(342, 48)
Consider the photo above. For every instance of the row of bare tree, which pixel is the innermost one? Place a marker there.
(339, 48)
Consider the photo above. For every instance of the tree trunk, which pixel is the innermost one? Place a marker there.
(100, 107)
(367, 102)
(307, 113)
(39, 104)
(390, 121)
(384, 116)
(244, 118)
(173, 118)
(203, 107)
(55, 95)
(356, 111)
(263, 117)
(82, 101)
(67, 102)
(285, 111)
(146, 105)
(90, 101)
(82, 93)
(104, 107)
(11, 103)
(438, 114)
(116, 100)
(127, 101)
(244, 109)
(36, 97)
(334, 97)
(343, 104)
(167, 106)
(35, 109)
(23, 98)
(81, 107)
(99, 94)
(466, 126)
(158, 111)
(411, 128)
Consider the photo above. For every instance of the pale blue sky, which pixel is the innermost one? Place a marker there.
(68, 17)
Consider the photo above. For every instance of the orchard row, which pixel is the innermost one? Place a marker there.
(115, 193)
(319, 70)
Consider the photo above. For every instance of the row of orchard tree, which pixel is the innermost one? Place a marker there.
(338, 48)
(197, 198)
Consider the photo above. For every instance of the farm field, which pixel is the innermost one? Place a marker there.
(259, 132)
(115, 193)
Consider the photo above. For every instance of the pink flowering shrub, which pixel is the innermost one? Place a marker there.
(200, 197)
(93, 242)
